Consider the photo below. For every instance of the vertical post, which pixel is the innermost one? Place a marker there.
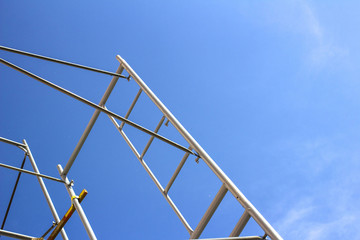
(77, 205)
(44, 190)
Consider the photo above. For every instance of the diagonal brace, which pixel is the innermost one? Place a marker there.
(91, 104)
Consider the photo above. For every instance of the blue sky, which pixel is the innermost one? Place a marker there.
(269, 89)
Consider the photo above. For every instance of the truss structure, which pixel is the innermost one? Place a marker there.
(119, 121)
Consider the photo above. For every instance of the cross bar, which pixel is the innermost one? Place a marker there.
(15, 235)
(11, 142)
(29, 172)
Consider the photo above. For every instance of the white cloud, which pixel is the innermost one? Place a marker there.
(300, 223)
(329, 207)
(298, 17)
(322, 48)
(295, 215)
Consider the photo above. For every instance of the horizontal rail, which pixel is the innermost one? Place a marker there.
(91, 104)
(235, 238)
(92, 121)
(15, 235)
(59, 61)
(11, 142)
(30, 172)
(152, 176)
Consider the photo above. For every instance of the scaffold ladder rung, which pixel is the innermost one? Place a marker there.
(240, 225)
(209, 212)
(131, 107)
(152, 137)
(152, 176)
(176, 173)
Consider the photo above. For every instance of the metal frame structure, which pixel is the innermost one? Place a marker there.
(25, 147)
(194, 148)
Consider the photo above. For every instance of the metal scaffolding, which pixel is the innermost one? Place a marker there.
(25, 147)
(119, 121)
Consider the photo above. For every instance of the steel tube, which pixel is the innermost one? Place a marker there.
(29, 172)
(60, 61)
(92, 122)
(44, 189)
(176, 173)
(240, 225)
(50, 228)
(235, 238)
(152, 176)
(77, 205)
(11, 142)
(209, 212)
(152, 137)
(255, 214)
(131, 107)
(13, 193)
(15, 235)
(178, 213)
(91, 104)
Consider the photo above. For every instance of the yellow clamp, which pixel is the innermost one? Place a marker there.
(80, 197)
(73, 197)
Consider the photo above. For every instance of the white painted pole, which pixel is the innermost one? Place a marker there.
(44, 190)
(77, 205)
